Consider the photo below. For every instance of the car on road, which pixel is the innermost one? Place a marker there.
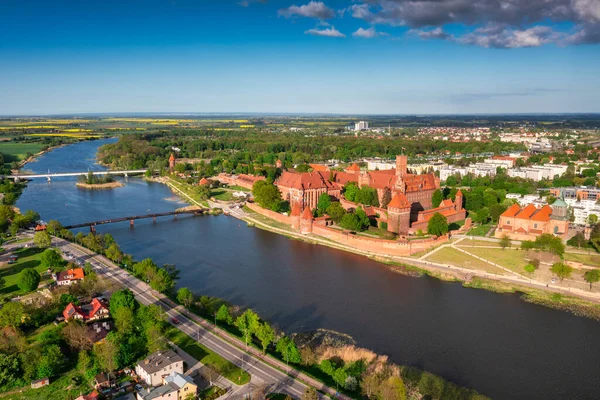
(175, 321)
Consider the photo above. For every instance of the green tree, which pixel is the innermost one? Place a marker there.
(336, 212)
(436, 198)
(551, 243)
(124, 320)
(185, 297)
(10, 369)
(350, 191)
(561, 270)
(267, 195)
(288, 350)
(50, 362)
(52, 259)
(324, 203)
(224, 315)
(12, 314)
(114, 253)
(592, 219)
(29, 279)
(265, 334)
(162, 281)
(145, 269)
(106, 353)
(122, 298)
(247, 324)
(505, 241)
(42, 239)
(393, 389)
(437, 225)
(530, 269)
(592, 276)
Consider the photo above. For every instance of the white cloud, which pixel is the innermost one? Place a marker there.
(366, 33)
(329, 32)
(314, 9)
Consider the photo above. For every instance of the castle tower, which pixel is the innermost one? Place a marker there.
(399, 214)
(401, 165)
(295, 216)
(458, 201)
(306, 221)
(172, 162)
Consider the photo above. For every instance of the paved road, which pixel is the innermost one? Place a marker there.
(260, 371)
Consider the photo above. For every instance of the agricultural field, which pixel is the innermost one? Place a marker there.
(14, 151)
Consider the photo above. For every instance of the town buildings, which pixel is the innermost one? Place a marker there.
(538, 172)
(158, 365)
(526, 223)
(97, 309)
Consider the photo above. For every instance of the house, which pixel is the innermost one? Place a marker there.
(175, 386)
(157, 365)
(38, 383)
(92, 396)
(97, 309)
(69, 277)
(104, 381)
(527, 223)
(98, 330)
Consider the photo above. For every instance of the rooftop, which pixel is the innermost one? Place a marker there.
(159, 360)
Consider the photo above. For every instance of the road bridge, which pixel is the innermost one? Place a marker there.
(93, 224)
(49, 175)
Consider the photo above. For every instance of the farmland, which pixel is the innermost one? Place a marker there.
(14, 151)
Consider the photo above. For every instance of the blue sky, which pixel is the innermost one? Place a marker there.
(371, 57)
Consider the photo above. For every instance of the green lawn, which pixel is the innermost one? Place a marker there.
(509, 258)
(470, 243)
(208, 357)
(213, 392)
(450, 256)
(13, 151)
(222, 194)
(239, 188)
(28, 258)
(480, 230)
(588, 259)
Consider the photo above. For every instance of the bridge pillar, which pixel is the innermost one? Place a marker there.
(154, 219)
(93, 228)
(131, 223)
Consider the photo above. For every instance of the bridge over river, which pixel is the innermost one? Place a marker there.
(92, 224)
(49, 175)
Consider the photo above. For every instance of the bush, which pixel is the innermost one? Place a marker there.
(29, 279)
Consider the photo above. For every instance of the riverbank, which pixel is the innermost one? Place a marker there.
(99, 186)
(580, 304)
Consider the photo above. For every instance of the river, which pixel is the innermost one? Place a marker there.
(496, 343)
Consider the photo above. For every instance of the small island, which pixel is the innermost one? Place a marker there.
(91, 181)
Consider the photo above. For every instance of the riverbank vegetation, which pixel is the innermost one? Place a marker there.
(327, 356)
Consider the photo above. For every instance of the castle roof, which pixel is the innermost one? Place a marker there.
(319, 167)
(304, 180)
(399, 201)
(354, 168)
(511, 211)
(306, 214)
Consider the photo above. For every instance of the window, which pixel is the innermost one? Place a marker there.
(535, 226)
(507, 222)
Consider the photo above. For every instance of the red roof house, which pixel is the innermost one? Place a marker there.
(97, 309)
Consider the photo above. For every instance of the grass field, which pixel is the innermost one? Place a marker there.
(588, 259)
(28, 258)
(208, 357)
(222, 194)
(469, 243)
(18, 151)
(450, 256)
(512, 259)
(479, 230)
(239, 188)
